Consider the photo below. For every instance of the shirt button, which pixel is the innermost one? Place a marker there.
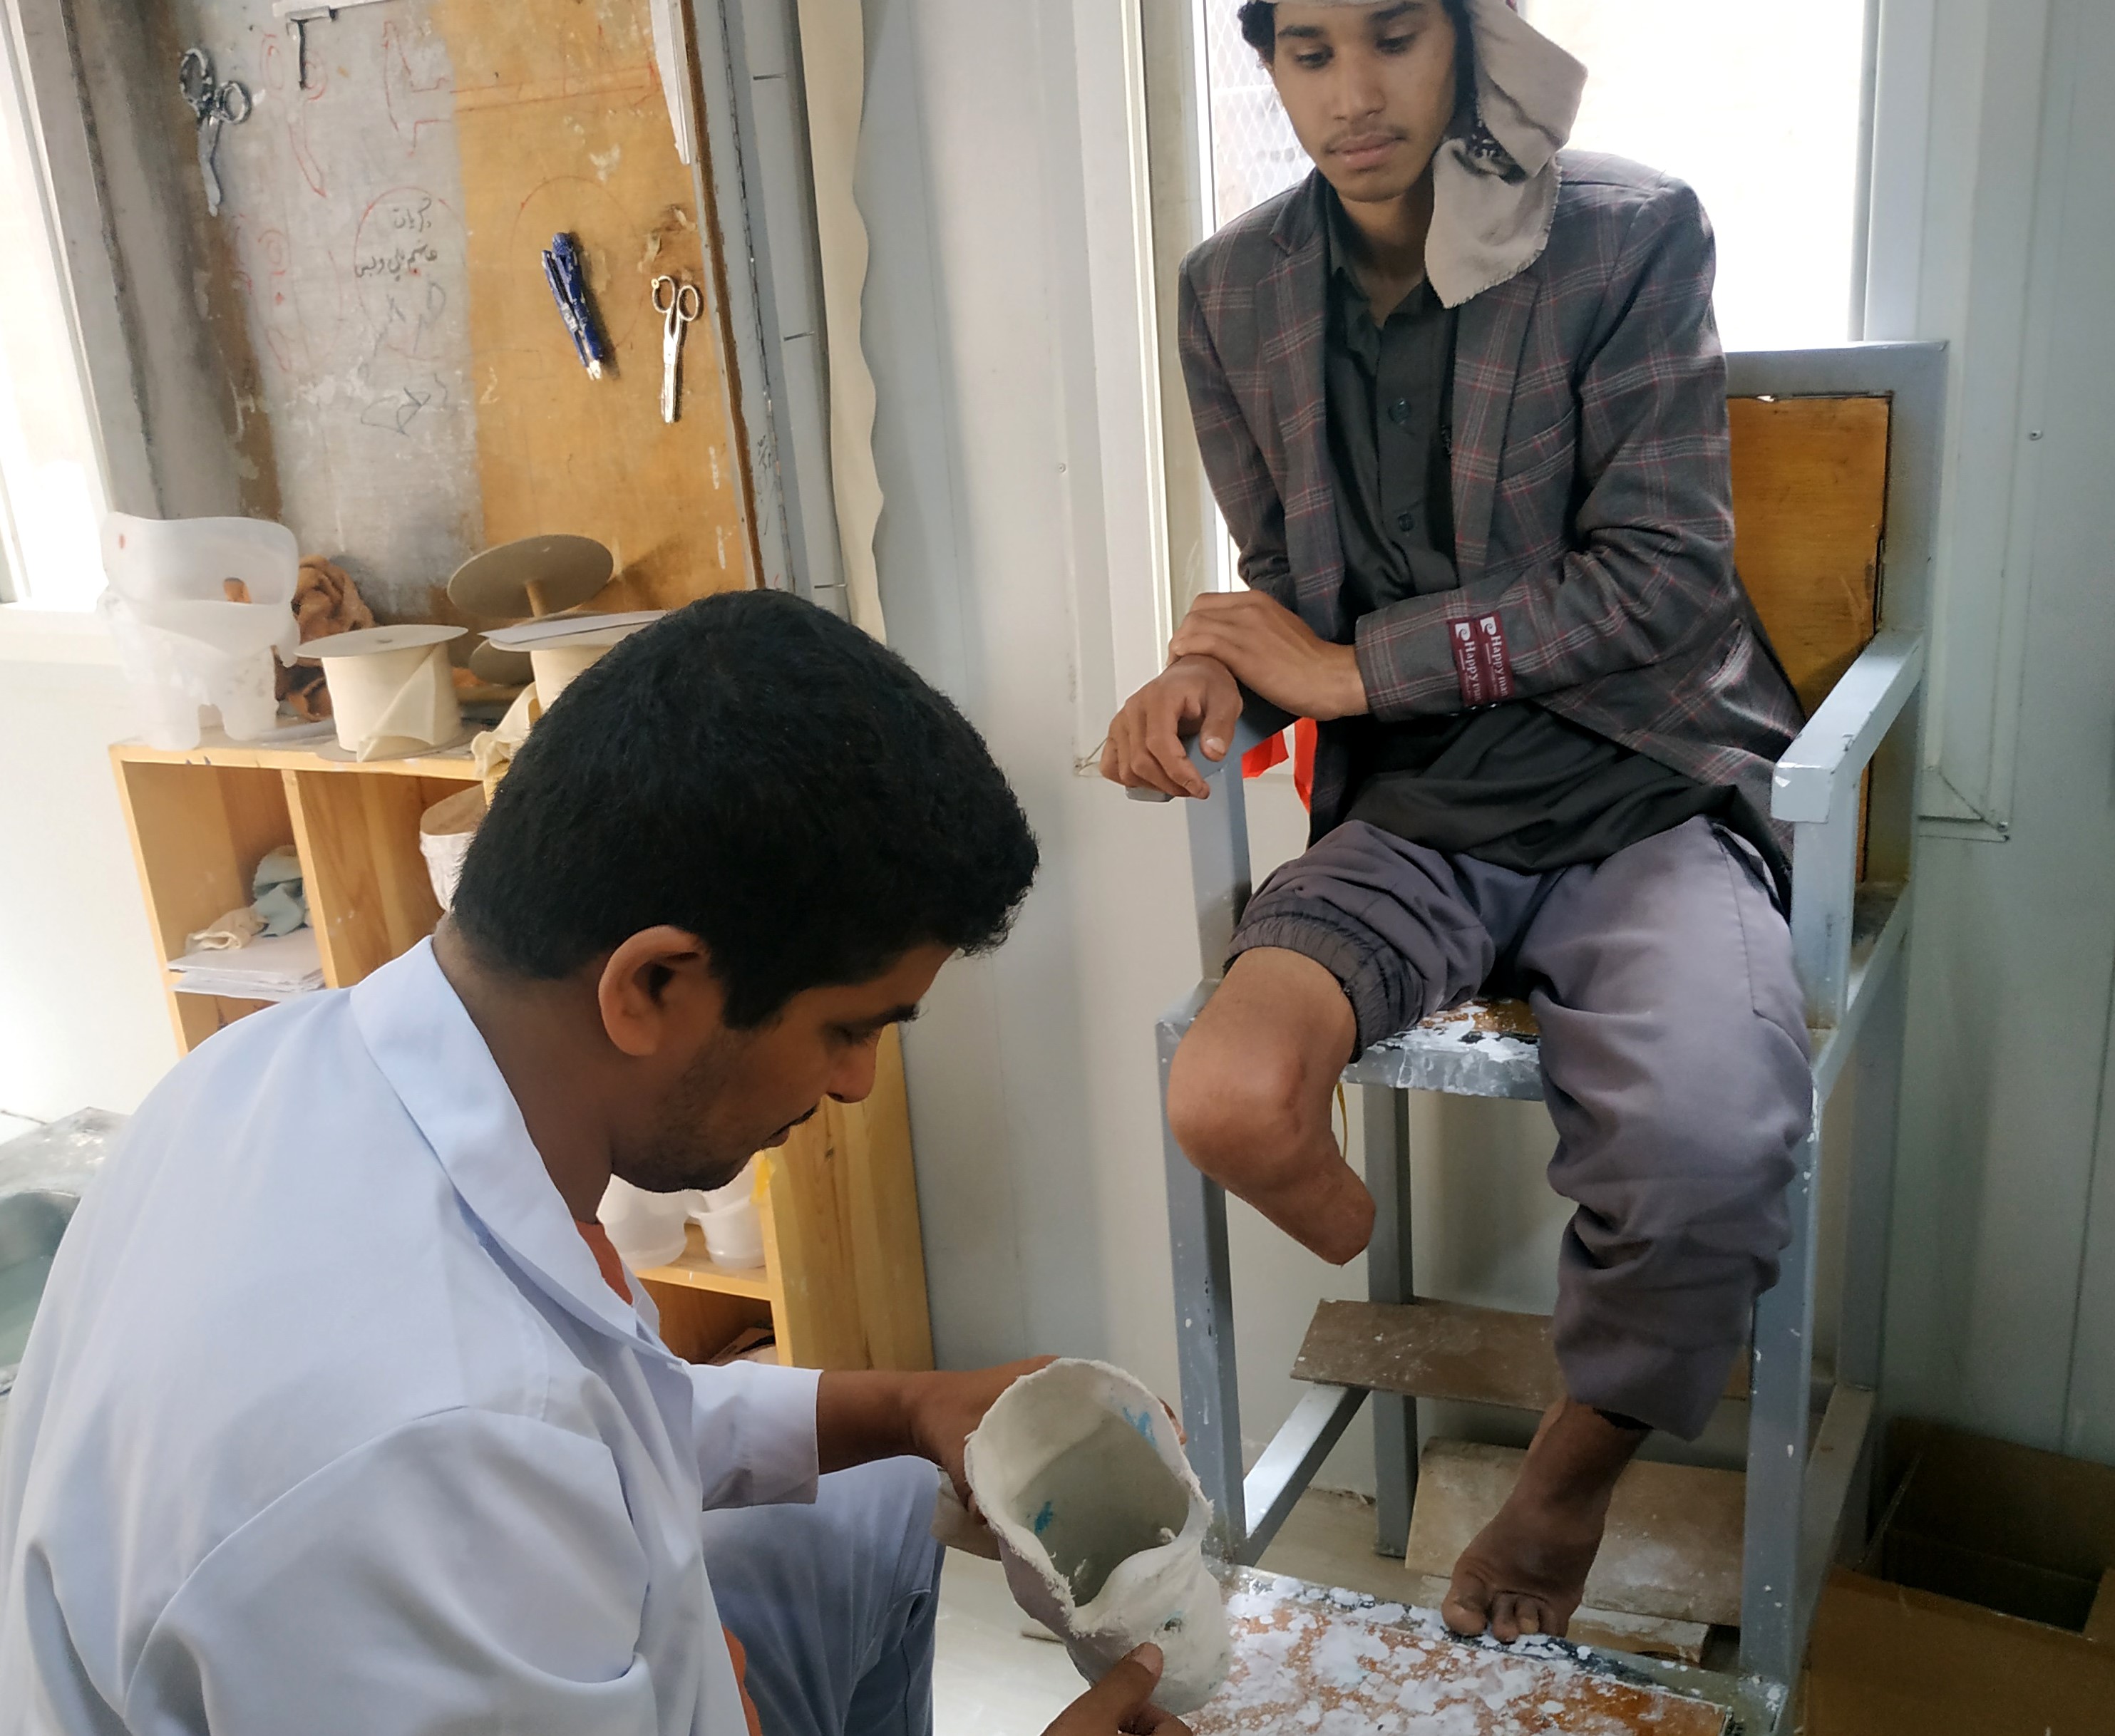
(1399, 411)
(1405, 521)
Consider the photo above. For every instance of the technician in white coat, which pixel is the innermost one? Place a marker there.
(340, 1414)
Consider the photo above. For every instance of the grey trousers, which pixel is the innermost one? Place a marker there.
(1674, 1062)
(836, 1604)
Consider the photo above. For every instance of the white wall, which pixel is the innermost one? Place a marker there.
(2002, 1313)
(82, 1020)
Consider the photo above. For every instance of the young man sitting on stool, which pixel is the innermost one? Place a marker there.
(1462, 403)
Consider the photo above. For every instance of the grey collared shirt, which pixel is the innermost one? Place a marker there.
(1390, 391)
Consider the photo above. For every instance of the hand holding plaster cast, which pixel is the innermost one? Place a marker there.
(1100, 1525)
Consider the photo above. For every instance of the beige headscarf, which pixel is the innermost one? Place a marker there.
(1494, 188)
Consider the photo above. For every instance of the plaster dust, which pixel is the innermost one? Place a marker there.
(1333, 1663)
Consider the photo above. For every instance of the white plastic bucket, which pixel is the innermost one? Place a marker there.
(182, 642)
(445, 831)
(734, 1234)
(647, 1230)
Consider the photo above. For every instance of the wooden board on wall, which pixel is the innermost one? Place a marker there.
(1809, 503)
(562, 127)
(402, 392)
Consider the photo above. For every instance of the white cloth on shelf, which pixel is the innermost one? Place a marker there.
(329, 1423)
(274, 967)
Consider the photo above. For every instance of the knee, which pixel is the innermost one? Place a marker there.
(1240, 1118)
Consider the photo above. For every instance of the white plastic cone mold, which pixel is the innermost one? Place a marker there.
(1101, 1525)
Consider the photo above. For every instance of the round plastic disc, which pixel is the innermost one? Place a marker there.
(499, 666)
(566, 570)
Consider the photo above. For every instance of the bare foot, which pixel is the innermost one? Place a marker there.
(1526, 1570)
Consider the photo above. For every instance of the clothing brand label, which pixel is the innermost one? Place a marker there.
(1481, 662)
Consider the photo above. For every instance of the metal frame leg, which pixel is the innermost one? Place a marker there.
(1772, 1623)
(1388, 1280)
(1876, 1103)
(1204, 1326)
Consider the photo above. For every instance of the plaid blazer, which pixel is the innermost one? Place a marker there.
(1592, 491)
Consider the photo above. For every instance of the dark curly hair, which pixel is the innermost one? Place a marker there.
(758, 773)
(1259, 29)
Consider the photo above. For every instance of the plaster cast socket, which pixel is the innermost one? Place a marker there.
(1101, 1524)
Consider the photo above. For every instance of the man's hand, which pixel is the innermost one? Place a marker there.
(946, 1409)
(1145, 747)
(1118, 1705)
(1271, 650)
(865, 1415)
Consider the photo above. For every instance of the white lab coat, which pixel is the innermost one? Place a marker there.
(329, 1423)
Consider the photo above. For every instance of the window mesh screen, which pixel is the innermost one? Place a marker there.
(1254, 152)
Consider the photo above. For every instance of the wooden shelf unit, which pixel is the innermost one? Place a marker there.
(843, 1281)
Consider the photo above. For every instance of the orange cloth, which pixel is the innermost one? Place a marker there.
(1264, 754)
(611, 1269)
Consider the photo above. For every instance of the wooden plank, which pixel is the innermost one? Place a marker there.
(888, 1251)
(2100, 1619)
(809, 1258)
(200, 1016)
(370, 898)
(1434, 1351)
(198, 835)
(1810, 504)
(1673, 1543)
(1431, 1349)
(696, 1269)
(1612, 1630)
(560, 125)
(216, 750)
(698, 1324)
(1309, 1659)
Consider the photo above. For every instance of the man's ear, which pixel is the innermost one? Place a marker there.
(657, 994)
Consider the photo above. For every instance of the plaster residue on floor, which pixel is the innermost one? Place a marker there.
(1335, 1664)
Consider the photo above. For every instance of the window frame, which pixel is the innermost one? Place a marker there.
(41, 92)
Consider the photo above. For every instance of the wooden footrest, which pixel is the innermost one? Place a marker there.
(1611, 1630)
(1443, 1350)
(1673, 1545)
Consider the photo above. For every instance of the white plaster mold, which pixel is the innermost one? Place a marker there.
(1101, 1525)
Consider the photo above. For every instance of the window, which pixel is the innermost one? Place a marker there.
(51, 496)
(1760, 105)
(1757, 104)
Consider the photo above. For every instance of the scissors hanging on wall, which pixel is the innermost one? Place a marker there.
(214, 105)
(683, 305)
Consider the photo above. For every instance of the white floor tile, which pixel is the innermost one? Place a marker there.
(989, 1680)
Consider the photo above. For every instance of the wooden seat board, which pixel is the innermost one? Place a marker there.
(1672, 1548)
(1432, 1349)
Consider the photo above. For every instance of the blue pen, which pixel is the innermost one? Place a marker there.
(551, 276)
(573, 274)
